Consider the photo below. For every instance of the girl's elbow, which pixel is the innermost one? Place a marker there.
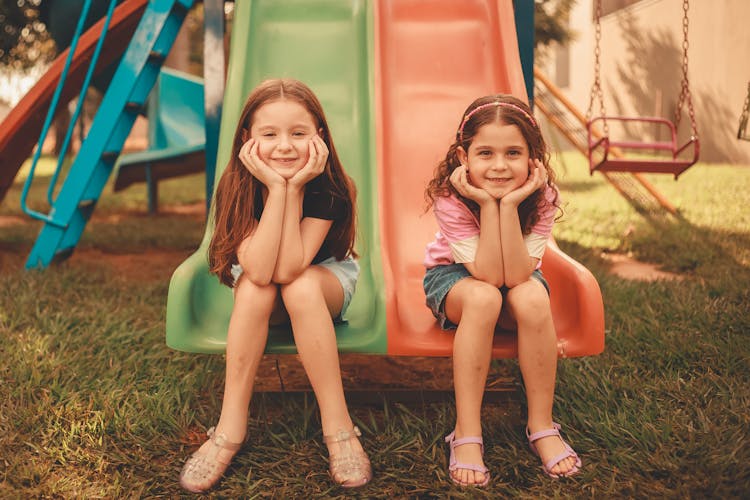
(514, 282)
(259, 279)
(285, 277)
(496, 281)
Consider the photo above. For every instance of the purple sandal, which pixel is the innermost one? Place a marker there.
(555, 431)
(453, 465)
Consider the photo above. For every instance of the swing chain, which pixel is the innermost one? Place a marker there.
(596, 87)
(742, 131)
(685, 84)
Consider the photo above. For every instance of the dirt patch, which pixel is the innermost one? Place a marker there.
(197, 209)
(154, 265)
(12, 220)
(367, 373)
(628, 268)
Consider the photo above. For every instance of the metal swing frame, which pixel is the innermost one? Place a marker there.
(742, 132)
(677, 159)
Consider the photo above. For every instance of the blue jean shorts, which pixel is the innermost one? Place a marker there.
(440, 279)
(347, 272)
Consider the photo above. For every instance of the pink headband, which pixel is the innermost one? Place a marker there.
(487, 105)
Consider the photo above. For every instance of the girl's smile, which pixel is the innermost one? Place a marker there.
(283, 130)
(498, 159)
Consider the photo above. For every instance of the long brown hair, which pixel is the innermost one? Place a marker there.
(235, 200)
(509, 111)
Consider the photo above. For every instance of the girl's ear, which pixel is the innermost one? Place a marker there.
(462, 156)
(245, 135)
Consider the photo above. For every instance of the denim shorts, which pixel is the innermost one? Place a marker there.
(440, 279)
(347, 272)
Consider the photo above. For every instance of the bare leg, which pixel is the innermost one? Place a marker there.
(246, 341)
(311, 301)
(529, 304)
(475, 307)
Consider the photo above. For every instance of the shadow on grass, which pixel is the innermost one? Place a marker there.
(577, 186)
(661, 238)
(672, 383)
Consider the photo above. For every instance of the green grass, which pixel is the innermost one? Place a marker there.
(95, 405)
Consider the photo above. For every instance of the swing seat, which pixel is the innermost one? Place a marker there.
(656, 157)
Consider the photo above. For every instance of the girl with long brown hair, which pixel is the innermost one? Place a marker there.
(284, 214)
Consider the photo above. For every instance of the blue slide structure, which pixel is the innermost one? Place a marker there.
(176, 136)
(124, 100)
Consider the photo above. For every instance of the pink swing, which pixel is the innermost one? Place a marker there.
(668, 156)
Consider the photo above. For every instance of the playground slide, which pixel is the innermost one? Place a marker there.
(20, 130)
(435, 57)
(327, 44)
(394, 78)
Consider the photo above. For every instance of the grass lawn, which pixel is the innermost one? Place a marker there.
(95, 405)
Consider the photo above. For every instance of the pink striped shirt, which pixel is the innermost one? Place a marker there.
(457, 240)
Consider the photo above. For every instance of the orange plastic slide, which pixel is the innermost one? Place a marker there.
(433, 57)
(20, 130)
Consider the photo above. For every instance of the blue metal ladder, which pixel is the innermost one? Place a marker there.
(123, 101)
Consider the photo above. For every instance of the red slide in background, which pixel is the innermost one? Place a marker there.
(434, 57)
(20, 130)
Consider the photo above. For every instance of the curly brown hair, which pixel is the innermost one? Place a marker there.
(236, 192)
(508, 111)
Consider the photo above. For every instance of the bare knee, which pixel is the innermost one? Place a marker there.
(260, 296)
(529, 304)
(302, 292)
(483, 299)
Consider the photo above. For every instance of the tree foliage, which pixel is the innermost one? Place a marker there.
(24, 41)
(551, 22)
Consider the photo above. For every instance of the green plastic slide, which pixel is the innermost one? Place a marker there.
(328, 45)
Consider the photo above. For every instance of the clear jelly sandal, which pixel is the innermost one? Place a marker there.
(203, 470)
(349, 467)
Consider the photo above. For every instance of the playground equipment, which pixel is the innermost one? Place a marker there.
(600, 146)
(176, 137)
(571, 122)
(20, 130)
(383, 83)
(123, 101)
(175, 132)
(742, 131)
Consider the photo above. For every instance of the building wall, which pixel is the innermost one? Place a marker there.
(641, 57)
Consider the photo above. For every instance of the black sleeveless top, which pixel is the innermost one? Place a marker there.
(317, 204)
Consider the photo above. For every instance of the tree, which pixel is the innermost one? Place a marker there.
(24, 40)
(551, 22)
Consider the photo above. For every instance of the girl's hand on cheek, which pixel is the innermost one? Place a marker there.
(316, 163)
(460, 180)
(257, 167)
(536, 180)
